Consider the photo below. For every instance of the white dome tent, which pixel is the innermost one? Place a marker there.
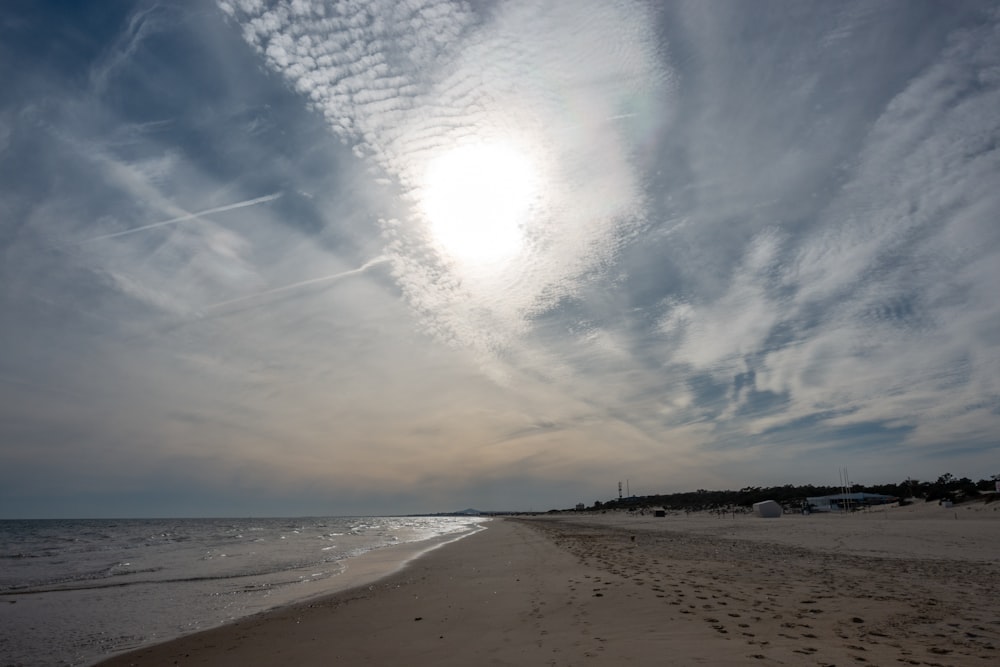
(767, 509)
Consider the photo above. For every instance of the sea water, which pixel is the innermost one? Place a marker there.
(75, 591)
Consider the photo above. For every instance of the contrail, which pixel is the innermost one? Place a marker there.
(312, 281)
(189, 216)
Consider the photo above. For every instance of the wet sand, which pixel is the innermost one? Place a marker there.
(910, 586)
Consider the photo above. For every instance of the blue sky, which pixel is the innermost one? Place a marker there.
(339, 258)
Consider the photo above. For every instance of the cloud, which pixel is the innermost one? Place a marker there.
(873, 315)
(402, 83)
(760, 242)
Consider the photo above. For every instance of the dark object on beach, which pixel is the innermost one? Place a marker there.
(419, 618)
(660, 513)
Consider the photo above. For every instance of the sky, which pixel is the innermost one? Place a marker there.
(336, 258)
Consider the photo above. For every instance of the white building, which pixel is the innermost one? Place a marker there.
(840, 502)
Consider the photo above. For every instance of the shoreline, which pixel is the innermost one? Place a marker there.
(78, 591)
(359, 571)
(604, 590)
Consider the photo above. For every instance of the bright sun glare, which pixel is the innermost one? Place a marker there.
(476, 198)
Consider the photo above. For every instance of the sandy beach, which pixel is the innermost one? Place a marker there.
(917, 585)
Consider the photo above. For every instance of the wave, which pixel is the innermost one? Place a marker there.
(107, 581)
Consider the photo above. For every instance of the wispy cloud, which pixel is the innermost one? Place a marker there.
(868, 316)
(806, 248)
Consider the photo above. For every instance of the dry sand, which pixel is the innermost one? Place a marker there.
(911, 586)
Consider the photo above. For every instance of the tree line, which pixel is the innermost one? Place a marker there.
(946, 487)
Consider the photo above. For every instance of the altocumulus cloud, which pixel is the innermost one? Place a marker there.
(403, 83)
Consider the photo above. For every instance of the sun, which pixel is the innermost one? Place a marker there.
(476, 199)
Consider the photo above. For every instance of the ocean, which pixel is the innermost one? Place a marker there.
(73, 592)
